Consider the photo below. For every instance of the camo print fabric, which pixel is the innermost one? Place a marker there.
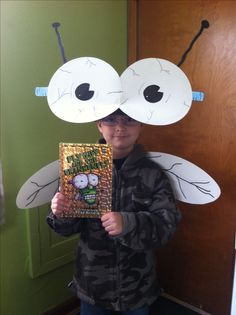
(119, 273)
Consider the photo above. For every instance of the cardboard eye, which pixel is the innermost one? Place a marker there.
(155, 92)
(84, 90)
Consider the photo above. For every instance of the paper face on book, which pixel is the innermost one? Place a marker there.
(86, 178)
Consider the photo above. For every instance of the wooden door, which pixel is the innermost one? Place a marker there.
(197, 265)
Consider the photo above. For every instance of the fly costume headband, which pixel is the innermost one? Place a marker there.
(153, 91)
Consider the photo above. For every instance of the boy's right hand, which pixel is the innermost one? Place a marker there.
(59, 204)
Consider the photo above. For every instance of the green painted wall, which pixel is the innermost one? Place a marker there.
(30, 133)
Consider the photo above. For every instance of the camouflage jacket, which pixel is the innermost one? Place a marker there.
(119, 273)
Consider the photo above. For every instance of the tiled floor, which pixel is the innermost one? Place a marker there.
(164, 306)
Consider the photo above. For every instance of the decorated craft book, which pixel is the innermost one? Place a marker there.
(86, 178)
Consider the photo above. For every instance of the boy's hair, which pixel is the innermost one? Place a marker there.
(118, 112)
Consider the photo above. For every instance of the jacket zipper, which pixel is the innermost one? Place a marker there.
(117, 245)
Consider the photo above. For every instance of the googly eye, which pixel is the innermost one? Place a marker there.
(152, 94)
(84, 90)
(155, 92)
(80, 181)
(93, 179)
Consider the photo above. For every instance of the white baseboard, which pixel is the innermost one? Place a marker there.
(189, 306)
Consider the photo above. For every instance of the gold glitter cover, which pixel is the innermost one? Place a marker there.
(86, 178)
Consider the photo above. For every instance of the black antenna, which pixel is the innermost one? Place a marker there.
(204, 24)
(56, 25)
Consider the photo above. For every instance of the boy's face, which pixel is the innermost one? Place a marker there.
(121, 132)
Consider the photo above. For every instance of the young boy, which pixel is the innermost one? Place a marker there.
(115, 263)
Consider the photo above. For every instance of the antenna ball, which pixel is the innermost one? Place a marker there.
(205, 24)
(56, 24)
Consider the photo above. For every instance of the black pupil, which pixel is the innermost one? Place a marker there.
(83, 92)
(152, 94)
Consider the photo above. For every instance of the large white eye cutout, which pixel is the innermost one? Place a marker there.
(83, 90)
(155, 92)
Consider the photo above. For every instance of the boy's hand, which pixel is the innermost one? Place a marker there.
(60, 204)
(112, 223)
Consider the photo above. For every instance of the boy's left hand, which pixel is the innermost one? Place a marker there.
(112, 223)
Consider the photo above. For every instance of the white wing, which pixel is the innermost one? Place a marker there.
(39, 188)
(190, 183)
